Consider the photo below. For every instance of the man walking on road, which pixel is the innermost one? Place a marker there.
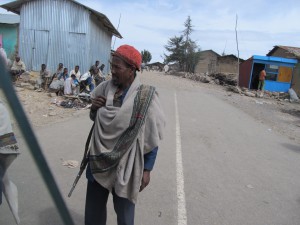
(128, 125)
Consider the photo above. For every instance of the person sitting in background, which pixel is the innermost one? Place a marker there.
(76, 72)
(99, 77)
(93, 67)
(64, 75)
(71, 85)
(101, 69)
(57, 83)
(43, 80)
(86, 82)
(17, 68)
(59, 70)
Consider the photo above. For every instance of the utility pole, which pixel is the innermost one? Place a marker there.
(117, 30)
(237, 46)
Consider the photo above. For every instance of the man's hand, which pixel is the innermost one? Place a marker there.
(98, 102)
(145, 179)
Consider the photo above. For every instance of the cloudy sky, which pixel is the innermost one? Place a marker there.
(148, 24)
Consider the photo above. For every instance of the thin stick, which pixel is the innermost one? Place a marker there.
(237, 46)
(117, 30)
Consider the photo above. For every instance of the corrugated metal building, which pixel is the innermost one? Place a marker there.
(54, 31)
(9, 25)
(279, 72)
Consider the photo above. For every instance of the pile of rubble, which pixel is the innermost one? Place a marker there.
(230, 81)
(217, 78)
(69, 102)
(28, 81)
(280, 96)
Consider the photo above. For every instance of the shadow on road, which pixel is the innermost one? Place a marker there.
(292, 147)
(293, 112)
(50, 216)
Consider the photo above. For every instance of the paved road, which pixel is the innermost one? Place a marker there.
(235, 170)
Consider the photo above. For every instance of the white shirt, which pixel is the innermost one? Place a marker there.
(85, 76)
(76, 74)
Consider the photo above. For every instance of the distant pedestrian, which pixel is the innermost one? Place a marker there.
(166, 68)
(262, 77)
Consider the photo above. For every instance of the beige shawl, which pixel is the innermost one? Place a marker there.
(110, 123)
(8, 143)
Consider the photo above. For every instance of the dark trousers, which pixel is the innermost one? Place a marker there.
(95, 206)
(5, 161)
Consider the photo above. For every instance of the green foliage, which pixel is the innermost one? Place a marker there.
(176, 48)
(188, 28)
(183, 50)
(146, 56)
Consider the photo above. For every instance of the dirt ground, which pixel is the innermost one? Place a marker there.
(281, 116)
(41, 109)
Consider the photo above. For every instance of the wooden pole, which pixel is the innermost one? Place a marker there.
(237, 46)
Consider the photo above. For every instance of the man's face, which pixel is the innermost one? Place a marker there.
(122, 75)
(65, 70)
(76, 68)
(97, 63)
(17, 59)
(43, 67)
(60, 65)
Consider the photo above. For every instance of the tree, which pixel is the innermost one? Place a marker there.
(176, 48)
(146, 56)
(188, 30)
(183, 50)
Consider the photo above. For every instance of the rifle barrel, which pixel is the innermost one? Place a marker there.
(75, 182)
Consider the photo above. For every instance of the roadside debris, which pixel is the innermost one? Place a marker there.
(293, 95)
(230, 82)
(70, 163)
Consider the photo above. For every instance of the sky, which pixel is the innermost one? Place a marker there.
(149, 24)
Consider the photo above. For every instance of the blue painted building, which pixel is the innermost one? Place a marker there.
(279, 72)
(9, 27)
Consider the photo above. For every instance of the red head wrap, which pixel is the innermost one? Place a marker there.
(130, 55)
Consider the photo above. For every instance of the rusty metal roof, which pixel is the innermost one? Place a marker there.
(15, 7)
(293, 50)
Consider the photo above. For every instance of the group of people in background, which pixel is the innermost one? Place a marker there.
(74, 82)
(63, 81)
